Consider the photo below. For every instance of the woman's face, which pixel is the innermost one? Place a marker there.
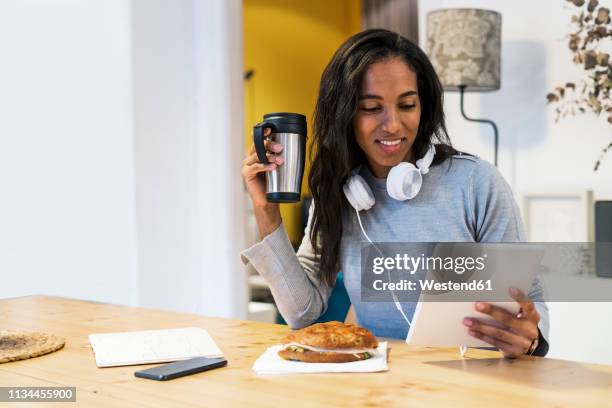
(388, 115)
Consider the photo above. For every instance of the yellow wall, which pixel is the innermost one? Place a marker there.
(288, 43)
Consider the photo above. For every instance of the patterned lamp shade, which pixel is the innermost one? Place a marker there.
(464, 46)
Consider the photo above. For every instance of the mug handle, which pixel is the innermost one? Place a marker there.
(258, 140)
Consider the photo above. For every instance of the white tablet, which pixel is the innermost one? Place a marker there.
(440, 324)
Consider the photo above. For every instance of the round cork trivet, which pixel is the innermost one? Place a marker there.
(17, 345)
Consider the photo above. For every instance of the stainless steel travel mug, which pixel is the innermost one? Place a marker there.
(284, 184)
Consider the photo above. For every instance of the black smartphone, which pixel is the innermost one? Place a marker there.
(181, 368)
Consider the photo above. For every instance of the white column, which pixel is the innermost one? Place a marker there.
(187, 66)
(219, 128)
(165, 154)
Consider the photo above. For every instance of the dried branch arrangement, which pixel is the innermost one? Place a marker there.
(592, 31)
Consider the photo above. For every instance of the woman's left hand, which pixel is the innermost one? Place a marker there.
(517, 333)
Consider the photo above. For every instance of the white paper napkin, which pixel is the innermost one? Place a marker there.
(271, 363)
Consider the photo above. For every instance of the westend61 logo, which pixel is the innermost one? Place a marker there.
(412, 264)
(479, 271)
(448, 271)
(443, 273)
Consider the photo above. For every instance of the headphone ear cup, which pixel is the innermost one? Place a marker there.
(404, 181)
(358, 193)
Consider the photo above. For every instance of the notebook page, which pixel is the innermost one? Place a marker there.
(152, 346)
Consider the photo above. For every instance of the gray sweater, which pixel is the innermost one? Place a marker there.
(464, 199)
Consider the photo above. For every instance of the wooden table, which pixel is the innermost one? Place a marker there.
(417, 377)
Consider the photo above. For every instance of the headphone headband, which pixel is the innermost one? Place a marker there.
(424, 162)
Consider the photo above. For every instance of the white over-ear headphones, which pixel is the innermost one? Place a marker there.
(403, 182)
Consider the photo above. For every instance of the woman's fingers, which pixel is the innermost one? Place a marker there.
(250, 171)
(508, 350)
(501, 334)
(252, 166)
(267, 132)
(271, 147)
(275, 147)
(521, 325)
(273, 150)
(511, 334)
(528, 310)
(255, 183)
(272, 158)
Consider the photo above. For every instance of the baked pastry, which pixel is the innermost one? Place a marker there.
(331, 342)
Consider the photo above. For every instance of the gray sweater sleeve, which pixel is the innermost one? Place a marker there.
(299, 294)
(497, 219)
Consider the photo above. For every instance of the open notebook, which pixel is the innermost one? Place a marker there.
(152, 346)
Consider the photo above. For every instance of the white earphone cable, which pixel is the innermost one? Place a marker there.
(395, 299)
(366, 235)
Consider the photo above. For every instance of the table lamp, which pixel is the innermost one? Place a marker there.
(464, 46)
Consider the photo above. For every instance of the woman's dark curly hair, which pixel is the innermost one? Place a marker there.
(335, 148)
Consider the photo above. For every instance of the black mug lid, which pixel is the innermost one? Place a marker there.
(285, 117)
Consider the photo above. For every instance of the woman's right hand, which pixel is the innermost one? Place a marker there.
(267, 214)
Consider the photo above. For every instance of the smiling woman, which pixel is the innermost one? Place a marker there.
(382, 151)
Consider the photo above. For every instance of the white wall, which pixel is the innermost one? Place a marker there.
(118, 178)
(537, 154)
(534, 152)
(66, 154)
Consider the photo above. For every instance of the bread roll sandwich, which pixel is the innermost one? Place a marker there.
(331, 342)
